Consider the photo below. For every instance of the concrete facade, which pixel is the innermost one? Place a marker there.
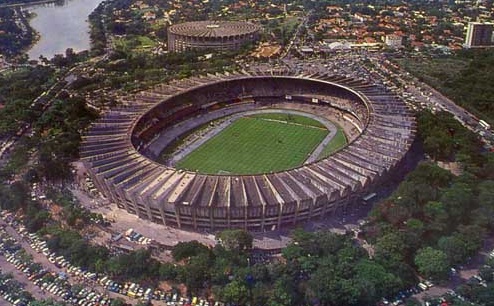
(218, 36)
(114, 153)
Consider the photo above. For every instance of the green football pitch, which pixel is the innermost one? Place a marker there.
(257, 144)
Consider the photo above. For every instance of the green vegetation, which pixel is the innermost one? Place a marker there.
(255, 145)
(444, 138)
(435, 71)
(16, 33)
(17, 91)
(339, 141)
(465, 77)
(55, 137)
(435, 220)
(136, 43)
(282, 28)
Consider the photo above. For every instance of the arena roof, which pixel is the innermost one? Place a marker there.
(213, 28)
(112, 152)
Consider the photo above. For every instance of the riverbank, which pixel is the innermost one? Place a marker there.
(19, 36)
(61, 27)
(27, 16)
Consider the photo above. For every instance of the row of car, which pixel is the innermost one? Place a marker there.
(83, 296)
(134, 290)
(56, 284)
(132, 235)
(12, 291)
(47, 281)
(129, 289)
(400, 298)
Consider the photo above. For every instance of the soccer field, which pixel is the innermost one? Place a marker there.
(256, 144)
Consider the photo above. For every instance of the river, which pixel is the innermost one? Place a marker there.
(61, 27)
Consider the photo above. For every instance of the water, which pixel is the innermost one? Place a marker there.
(61, 27)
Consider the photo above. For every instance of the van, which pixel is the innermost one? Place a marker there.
(132, 286)
(101, 281)
(429, 284)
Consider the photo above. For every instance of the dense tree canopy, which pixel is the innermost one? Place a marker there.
(432, 263)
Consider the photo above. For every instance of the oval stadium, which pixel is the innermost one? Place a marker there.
(122, 151)
(216, 35)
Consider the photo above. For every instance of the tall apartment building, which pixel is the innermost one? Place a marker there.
(479, 34)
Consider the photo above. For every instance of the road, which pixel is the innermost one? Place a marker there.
(35, 291)
(43, 260)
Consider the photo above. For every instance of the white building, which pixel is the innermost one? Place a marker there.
(393, 41)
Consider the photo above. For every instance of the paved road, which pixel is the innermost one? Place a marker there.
(43, 260)
(463, 275)
(36, 292)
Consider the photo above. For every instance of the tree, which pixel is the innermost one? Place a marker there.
(184, 250)
(454, 248)
(436, 216)
(439, 144)
(236, 240)
(375, 281)
(235, 292)
(390, 247)
(432, 263)
(282, 294)
(197, 272)
(168, 271)
(484, 215)
(458, 199)
(117, 302)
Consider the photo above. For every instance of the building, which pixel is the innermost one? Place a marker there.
(479, 34)
(120, 150)
(221, 35)
(393, 41)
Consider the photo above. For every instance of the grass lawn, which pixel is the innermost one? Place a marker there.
(256, 145)
(339, 141)
(134, 43)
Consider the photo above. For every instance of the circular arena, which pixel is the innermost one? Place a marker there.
(216, 35)
(120, 150)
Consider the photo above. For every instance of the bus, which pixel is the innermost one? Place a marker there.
(484, 124)
(368, 197)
